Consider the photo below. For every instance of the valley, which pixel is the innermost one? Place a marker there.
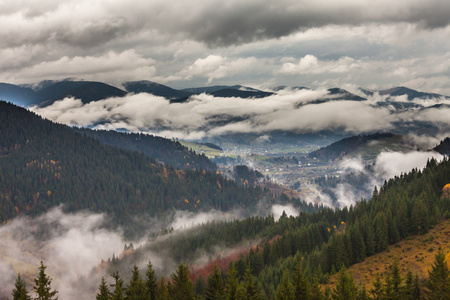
(257, 202)
(224, 150)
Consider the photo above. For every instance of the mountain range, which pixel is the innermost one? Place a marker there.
(47, 92)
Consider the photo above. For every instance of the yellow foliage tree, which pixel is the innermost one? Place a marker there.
(446, 191)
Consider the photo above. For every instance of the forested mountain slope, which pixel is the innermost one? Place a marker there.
(167, 151)
(444, 147)
(351, 145)
(316, 245)
(43, 164)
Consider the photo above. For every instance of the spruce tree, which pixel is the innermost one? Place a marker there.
(232, 283)
(103, 291)
(416, 291)
(346, 288)
(162, 290)
(182, 287)
(136, 288)
(301, 284)
(150, 282)
(378, 289)
(438, 283)
(200, 286)
(285, 290)
(215, 289)
(250, 288)
(42, 286)
(315, 292)
(20, 291)
(117, 294)
(394, 280)
(362, 294)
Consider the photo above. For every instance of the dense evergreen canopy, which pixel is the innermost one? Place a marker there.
(43, 164)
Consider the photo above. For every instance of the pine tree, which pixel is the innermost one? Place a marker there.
(136, 288)
(150, 282)
(215, 289)
(315, 292)
(362, 294)
(346, 288)
(285, 290)
(250, 288)
(162, 290)
(394, 280)
(232, 283)
(381, 232)
(117, 294)
(20, 291)
(358, 247)
(438, 283)
(182, 287)
(200, 286)
(301, 284)
(42, 286)
(416, 293)
(103, 293)
(378, 289)
(409, 284)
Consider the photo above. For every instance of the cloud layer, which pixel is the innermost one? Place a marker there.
(289, 110)
(258, 42)
(69, 245)
(387, 165)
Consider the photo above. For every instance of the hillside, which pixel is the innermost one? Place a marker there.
(43, 165)
(365, 146)
(444, 147)
(154, 88)
(416, 253)
(20, 95)
(403, 91)
(169, 152)
(48, 92)
(406, 208)
(312, 245)
(87, 91)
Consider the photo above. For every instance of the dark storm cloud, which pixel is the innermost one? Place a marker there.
(224, 23)
(215, 23)
(390, 42)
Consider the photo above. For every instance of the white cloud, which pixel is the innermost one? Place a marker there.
(309, 64)
(367, 43)
(69, 244)
(278, 209)
(205, 115)
(109, 66)
(390, 164)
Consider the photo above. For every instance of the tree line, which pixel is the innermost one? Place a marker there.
(228, 285)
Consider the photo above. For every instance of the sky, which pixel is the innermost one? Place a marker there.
(258, 43)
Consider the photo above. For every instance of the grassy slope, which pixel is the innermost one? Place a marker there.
(417, 252)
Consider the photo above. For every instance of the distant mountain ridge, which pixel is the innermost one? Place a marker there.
(358, 144)
(145, 86)
(48, 91)
(444, 147)
(402, 91)
(178, 96)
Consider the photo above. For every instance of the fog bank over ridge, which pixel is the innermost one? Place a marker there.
(202, 116)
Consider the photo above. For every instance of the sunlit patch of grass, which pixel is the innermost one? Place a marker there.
(416, 252)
